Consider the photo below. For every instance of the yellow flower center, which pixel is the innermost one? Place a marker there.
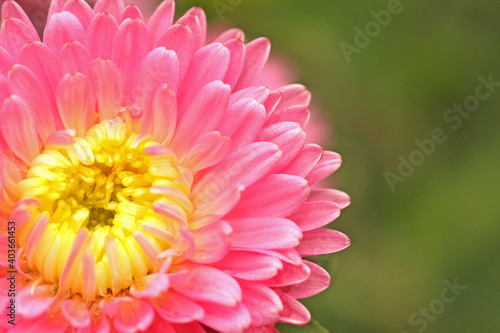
(124, 189)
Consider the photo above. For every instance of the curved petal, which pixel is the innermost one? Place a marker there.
(100, 35)
(322, 241)
(62, 28)
(107, 83)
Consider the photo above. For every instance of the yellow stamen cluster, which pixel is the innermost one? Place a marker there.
(124, 189)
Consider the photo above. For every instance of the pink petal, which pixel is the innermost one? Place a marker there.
(62, 28)
(207, 151)
(207, 284)
(56, 6)
(305, 161)
(60, 139)
(323, 194)
(294, 94)
(226, 319)
(316, 283)
(289, 275)
(179, 38)
(150, 286)
(48, 322)
(201, 117)
(273, 102)
(210, 63)
(233, 170)
(76, 102)
(249, 265)
(130, 47)
(177, 309)
(26, 85)
(264, 233)
(262, 303)
(100, 36)
(202, 19)
(230, 34)
(237, 50)
(81, 10)
(242, 121)
(211, 242)
(14, 34)
(12, 9)
(43, 62)
(315, 214)
(322, 241)
(293, 311)
(75, 58)
(76, 312)
(130, 314)
(132, 12)
(260, 94)
(298, 114)
(257, 52)
(31, 306)
(18, 129)
(107, 83)
(161, 20)
(275, 195)
(114, 7)
(328, 164)
(288, 136)
(6, 61)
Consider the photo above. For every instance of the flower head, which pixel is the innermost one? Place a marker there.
(147, 184)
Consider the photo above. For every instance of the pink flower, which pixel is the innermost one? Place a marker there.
(150, 184)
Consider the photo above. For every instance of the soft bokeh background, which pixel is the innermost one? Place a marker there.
(443, 221)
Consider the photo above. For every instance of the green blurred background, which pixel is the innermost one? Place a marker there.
(443, 221)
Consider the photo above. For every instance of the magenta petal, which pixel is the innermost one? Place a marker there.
(322, 241)
(207, 284)
(290, 275)
(249, 265)
(262, 302)
(293, 311)
(315, 214)
(316, 283)
(226, 319)
(177, 309)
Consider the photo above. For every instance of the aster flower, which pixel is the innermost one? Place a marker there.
(152, 185)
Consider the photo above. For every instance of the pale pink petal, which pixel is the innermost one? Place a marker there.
(76, 102)
(207, 284)
(26, 85)
(236, 47)
(14, 34)
(100, 36)
(323, 194)
(288, 136)
(18, 129)
(262, 302)
(76, 312)
(177, 309)
(249, 265)
(279, 233)
(150, 286)
(322, 241)
(234, 170)
(179, 38)
(201, 117)
(75, 58)
(114, 7)
(6, 61)
(328, 164)
(210, 63)
(316, 283)
(81, 10)
(130, 46)
(293, 311)
(257, 52)
(276, 195)
(60, 139)
(207, 151)
(107, 83)
(132, 12)
(305, 161)
(164, 118)
(211, 242)
(315, 214)
(226, 319)
(242, 121)
(62, 28)
(289, 275)
(31, 306)
(161, 20)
